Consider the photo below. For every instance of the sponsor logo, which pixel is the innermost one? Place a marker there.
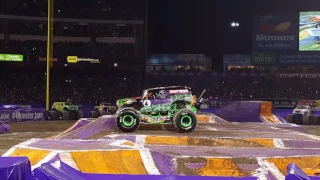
(274, 23)
(263, 37)
(263, 58)
(180, 91)
(26, 115)
(72, 59)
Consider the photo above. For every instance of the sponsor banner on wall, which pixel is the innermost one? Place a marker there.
(276, 31)
(237, 59)
(45, 59)
(285, 58)
(22, 115)
(311, 103)
(76, 59)
(284, 103)
(299, 75)
(11, 57)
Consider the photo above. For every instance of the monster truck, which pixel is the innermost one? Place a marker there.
(303, 115)
(64, 111)
(173, 105)
(102, 109)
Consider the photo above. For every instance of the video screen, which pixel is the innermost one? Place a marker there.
(309, 31)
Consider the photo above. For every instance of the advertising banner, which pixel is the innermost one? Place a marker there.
(275, 32)
(263, 58)
(311, 103)
(237, 59)
(76, 59)
(11, 57)
(285, 58)
(45, 59)
(299, 75)
(22, 115)
(284, 103)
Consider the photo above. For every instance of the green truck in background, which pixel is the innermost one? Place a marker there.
(64, 111)
(102, 109)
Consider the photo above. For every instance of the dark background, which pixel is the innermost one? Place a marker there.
(203, 26)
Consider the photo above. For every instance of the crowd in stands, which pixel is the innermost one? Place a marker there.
(94, 9)
(80, 88)
(64, 29)
(94, 88)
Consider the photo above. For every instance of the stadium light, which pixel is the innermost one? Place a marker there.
(234, 24)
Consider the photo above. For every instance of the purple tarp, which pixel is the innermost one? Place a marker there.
(15, 168)
(22, 115)
(49, 171)
(4, 128)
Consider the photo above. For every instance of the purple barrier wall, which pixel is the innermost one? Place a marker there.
(22, 115)
(240, 111)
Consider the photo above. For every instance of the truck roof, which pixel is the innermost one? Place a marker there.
(169, 87)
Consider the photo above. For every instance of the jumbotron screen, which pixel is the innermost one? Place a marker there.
(309, 31)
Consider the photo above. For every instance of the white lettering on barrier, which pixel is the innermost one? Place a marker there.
(4, 116)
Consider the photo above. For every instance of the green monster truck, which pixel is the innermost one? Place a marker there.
(163, 105)
(64, 111)
(102, 109)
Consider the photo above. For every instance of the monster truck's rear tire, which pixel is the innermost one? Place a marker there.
(79, 114)
(93, 114)
(289, 118)
(52, 115)
(185, 120)
(65, 115)
(102, 112)
(306, 120)
(128, 120)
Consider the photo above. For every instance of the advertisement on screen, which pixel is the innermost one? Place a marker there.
(309, 31)
(275, 32)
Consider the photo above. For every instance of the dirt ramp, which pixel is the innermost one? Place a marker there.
(95, 128)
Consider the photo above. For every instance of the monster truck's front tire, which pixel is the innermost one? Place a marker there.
(94, 114)
(128, 120)
(306, 120)
(65, 115)
(314, 119)
(102, 112)
(185, 120)
(52, 115)
(289, 118)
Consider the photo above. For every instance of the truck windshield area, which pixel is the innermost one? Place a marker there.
(302, 107)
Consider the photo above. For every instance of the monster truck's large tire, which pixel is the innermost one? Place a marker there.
(128, 120)
(79, 114)
(314, 119)
(102, 112)
(52, 115)
(289, 118)
(93, 114)
(306, 120)
(185, 120)
(65, 115)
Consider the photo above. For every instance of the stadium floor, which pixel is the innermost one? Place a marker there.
(21, 132)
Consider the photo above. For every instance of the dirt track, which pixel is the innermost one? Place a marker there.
(24, 131)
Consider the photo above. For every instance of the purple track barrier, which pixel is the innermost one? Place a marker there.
(15, 168)
(101, 125)
(4, 128)
(240, 111)
(56, 169)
